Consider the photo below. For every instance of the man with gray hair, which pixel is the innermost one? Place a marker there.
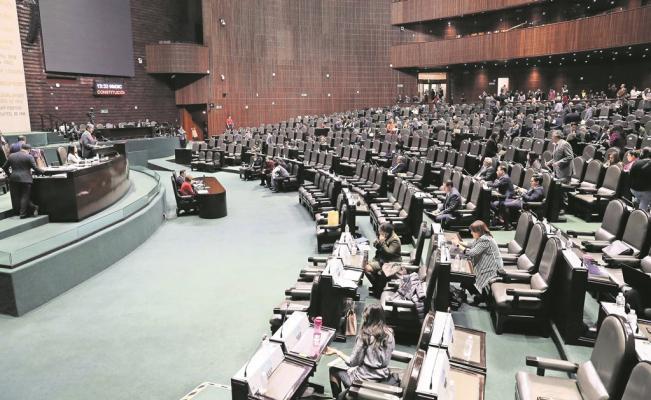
(88, 142)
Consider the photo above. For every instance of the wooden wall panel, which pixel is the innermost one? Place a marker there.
(409, 11)
(152, 21)
(174, 58)
(599, 32)
(301, 42)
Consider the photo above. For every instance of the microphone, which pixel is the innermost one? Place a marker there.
(283, 319)
(264, 337)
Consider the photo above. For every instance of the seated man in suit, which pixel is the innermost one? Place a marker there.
(487, 170)
(399, 167)
(534, 194)
(504, 188)
(180, 178)
(451, 205)
(387, 249)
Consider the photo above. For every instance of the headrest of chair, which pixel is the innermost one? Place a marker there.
(426, 331)
(637, 387)
(636, 229)
(613, 354)
(547, 262)
(409, 380)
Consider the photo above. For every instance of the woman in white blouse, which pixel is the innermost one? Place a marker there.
(73, 157)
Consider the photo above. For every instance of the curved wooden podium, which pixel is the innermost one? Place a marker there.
(211, 199)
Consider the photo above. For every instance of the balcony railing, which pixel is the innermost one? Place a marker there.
(616, 29)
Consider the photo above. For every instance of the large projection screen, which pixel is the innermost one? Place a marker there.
(87, 37)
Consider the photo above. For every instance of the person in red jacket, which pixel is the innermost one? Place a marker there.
(229, 123)
(186, 187)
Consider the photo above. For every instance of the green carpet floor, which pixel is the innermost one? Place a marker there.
(190, 305)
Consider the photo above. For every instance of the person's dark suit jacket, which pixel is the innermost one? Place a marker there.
(452, 203)
(503, 185)
(491, 149)
(21, 165)
(533, 195)
(399, 168)
(487, 174)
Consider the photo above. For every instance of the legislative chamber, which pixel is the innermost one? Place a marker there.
(325, 199)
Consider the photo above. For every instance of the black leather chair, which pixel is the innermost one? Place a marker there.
(528, 261)
(520, 295)
(408, 381)
(591, 202)
(327, 235)
(184, 204)
(612, 228)
(512, 250)
(638, 385)
(604, 376)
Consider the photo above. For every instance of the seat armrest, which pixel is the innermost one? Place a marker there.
(514, 276)
(580, 233)
(586, 190)
(381, 387)
(594, 246)
(329, 227)
(401, 303)
(405, 253)
(357, 392)
(503, 245)
(542, 364)
(516, 293)
(317, 260)
(401, 356)
(381, 200)
(621, 260)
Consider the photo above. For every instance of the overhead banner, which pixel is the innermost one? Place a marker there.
(14, 111)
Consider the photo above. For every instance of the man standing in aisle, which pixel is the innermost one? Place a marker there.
(19, 167)
(561, 162)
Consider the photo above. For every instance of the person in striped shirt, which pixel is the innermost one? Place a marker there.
(485, 256)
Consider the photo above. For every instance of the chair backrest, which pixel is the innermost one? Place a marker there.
(636, 231)
(614, 221)
(578, 168)
(426, 331)
(62, 155)
(637, 387)
(612, 357)
(522, 231)
(409, 380)
(516, 174)
(593, 172)
(535, 245)
(611, 179)
(541, 279)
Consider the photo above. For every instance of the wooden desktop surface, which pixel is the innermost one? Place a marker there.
(213, 186)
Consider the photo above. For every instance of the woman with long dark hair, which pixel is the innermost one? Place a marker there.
(370, 358)
(485, 256)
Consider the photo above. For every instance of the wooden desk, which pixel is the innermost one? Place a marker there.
(183, 156)
(211, 198)
(70, 195)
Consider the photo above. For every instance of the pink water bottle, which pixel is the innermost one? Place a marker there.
(316, 336)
